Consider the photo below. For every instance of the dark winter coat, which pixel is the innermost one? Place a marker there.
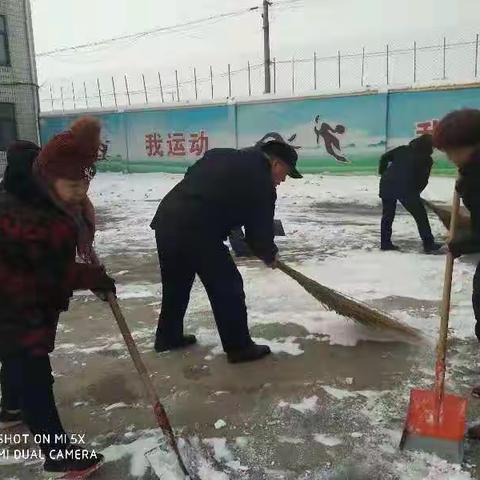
(38, 271)
(404, 172)
(225, 189)
(468, 186)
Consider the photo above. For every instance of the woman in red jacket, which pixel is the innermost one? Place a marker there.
(42, 226)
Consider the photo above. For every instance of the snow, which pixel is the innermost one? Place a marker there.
(327, 440)
(307, 405)
(332, 236)
(292, 441)
(223, 454)
(219, 424)
(135, 198)
(116, 406)
(136, 451)
(338, 393)
(436, 469)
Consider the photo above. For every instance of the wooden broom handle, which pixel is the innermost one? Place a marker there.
(445, 311)
(158, 409)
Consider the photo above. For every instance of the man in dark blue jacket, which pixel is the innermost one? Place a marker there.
(405, 172)
(225, 189)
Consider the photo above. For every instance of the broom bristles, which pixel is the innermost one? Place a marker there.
(444, 213)
(347, 306)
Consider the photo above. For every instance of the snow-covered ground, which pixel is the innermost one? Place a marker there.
(331, 402)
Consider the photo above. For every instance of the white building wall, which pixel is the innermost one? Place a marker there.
(18, 82)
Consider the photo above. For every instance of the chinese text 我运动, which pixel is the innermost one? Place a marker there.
(176, 144)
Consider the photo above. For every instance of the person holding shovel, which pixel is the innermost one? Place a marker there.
(225, 189)
(405, 172)
(458, 135)
(42, 226)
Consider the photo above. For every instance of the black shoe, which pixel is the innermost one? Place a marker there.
(163, 346)
(71, 460)
(432, 247)
(248, 354)
(10, 419)
(389, 247)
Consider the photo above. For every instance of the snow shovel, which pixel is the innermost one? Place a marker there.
(158, 409)
(435, 420)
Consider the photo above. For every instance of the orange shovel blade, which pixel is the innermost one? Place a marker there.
(445, 437)
(421, 416)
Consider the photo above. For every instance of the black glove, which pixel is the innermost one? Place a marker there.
(104, 285)
(456, 248)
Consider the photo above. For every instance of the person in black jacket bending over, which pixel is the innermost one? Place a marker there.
(226, 188)
(458, 135)
(404, 175)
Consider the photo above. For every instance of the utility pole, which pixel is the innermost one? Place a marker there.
(266, 45)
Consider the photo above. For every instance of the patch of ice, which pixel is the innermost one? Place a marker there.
(284, 345)
(223, 454)
(293, 441)
(137, 450)
(430, 467)
(327, 440)
(305, 406)
(138, 290)
(241, 442)
(219, 424)
(338, 393)
(116, 406)
(207, 472)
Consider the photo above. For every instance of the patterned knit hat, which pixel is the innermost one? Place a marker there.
(72, 154)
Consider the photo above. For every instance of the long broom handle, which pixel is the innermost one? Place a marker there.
(158, 409)
(445, 313)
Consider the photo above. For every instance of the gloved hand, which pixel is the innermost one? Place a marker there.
(274, 264)
(455, 248)
(103, 284)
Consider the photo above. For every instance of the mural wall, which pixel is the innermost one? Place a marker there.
(171, 140)
(337, 134)
(413, 113)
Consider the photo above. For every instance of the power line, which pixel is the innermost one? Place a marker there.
(138, 35)
(285, 3)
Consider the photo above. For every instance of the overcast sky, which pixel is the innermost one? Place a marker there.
(297, 29)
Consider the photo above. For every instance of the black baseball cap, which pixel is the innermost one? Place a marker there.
(284, 152)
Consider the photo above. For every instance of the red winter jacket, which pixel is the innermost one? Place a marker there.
(38, 270)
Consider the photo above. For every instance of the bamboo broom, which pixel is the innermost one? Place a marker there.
(444, 213)
(349, 307)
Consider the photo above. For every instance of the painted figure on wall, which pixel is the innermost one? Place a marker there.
(325, 131)
(277, 137)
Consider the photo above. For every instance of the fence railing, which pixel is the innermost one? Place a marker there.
(416, 65)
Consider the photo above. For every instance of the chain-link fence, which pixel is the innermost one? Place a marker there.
(417, 65)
